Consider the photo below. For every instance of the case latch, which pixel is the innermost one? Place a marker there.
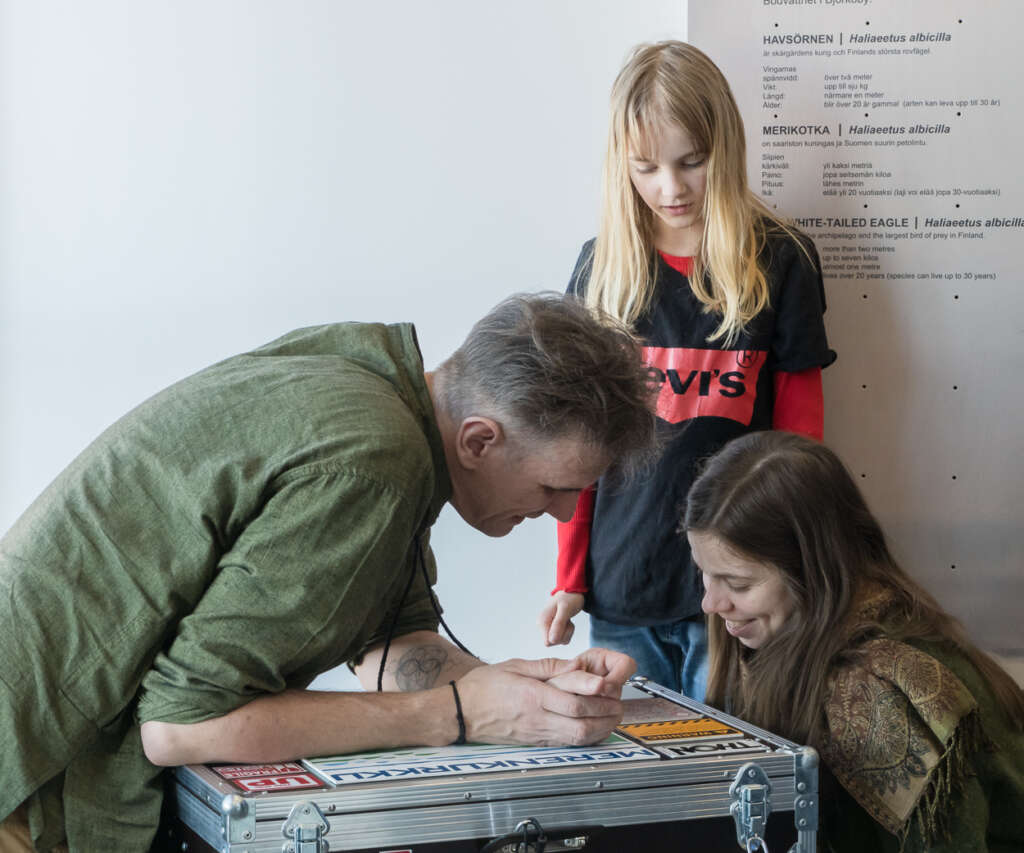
(750, 797)
(306, 827)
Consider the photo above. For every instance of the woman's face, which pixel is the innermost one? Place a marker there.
(750, 596)
(671, 179)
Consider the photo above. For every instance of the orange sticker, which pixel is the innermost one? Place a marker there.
(679, 729)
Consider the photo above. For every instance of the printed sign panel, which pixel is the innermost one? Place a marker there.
(886, 131)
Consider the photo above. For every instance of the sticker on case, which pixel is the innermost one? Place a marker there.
(290, 782)
(247, 771)
(471, 758)
(672, 730)
(711, 747)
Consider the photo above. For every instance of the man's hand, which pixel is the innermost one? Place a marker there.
(556, 617)
(612, 668)
(549, 702)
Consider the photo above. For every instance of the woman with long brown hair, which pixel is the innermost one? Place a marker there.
(816, 633)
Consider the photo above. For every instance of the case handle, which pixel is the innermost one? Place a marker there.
(530, 837)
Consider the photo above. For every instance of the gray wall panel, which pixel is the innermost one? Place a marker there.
(925, 402)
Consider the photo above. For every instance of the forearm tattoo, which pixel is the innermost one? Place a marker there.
(420, 667)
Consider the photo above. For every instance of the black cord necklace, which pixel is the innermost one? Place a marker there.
(418, 562)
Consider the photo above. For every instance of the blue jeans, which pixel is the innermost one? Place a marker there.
(674, 655)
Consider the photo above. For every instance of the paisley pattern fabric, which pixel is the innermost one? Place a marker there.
(900, 728)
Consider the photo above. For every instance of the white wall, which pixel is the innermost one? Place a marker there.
(180, 181)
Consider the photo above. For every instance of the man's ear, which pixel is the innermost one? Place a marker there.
(477, 438)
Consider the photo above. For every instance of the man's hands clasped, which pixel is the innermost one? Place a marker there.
(546, 702)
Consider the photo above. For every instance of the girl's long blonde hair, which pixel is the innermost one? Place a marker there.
(673, 83)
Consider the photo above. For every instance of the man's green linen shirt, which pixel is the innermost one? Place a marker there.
(237, 534)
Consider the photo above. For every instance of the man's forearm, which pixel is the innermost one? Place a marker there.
(302, 723)
(416, 661)
(548, 702)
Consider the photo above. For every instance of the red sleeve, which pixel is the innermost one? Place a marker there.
(799, 403)
(573, 541)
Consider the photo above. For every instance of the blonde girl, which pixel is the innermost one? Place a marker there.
(729, 300)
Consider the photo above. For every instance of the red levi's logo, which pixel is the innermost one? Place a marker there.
(705, 382)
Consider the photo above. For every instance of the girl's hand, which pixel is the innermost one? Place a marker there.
(556, 617)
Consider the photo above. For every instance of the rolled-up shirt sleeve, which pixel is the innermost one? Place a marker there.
(304, 587)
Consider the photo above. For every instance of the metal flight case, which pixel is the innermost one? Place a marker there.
(677, 775)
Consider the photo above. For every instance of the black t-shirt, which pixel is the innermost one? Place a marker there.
(639, 570)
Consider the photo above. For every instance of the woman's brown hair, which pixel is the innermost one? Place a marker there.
(789, 502)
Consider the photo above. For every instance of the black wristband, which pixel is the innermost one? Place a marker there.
(461, 739)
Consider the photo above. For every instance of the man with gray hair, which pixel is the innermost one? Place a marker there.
(170, 596)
